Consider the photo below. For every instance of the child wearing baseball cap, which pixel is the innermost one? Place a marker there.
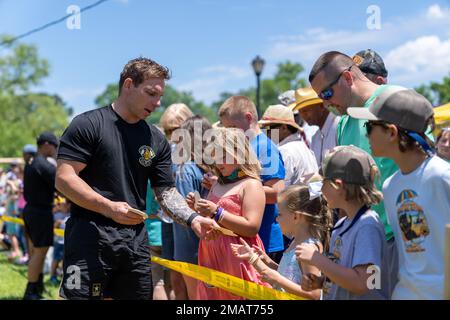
(417, 196)
(357, 264)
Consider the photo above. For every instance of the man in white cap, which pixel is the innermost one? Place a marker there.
(281, 128)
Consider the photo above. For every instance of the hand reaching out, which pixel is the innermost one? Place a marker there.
(262, 255)
(242, 251)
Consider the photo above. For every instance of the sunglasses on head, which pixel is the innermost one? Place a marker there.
(370, 124)
(328, 92)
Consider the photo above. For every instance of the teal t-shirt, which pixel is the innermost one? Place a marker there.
(153, 225)
(352, 131)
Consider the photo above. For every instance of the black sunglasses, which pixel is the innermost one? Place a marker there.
(370, 124)
(327, 93)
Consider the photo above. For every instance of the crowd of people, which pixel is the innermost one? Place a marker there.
(340, 191)
(16, 237)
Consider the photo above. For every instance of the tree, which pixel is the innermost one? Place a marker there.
(107, 96)
(287, 77)
(21, 67)
(23, 118)
(24, 115)
(437, 93)
(171, 95)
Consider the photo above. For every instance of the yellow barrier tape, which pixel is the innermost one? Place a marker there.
(237, 286)
(58, 232)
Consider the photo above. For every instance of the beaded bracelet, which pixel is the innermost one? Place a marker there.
(222, 215)
(219, 212)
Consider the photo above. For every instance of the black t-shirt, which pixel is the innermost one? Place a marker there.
(39, 183)
(120, 157)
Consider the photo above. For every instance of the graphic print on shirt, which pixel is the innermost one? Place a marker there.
(412, 221)
(337, 249)
(147, 154)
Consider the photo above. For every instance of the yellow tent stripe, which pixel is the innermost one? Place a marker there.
(237, 286)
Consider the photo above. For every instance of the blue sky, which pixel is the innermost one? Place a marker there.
(208, 44)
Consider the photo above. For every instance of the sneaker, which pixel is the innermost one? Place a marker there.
(22, 261)
(40, 285)
(31, 292)
(13, 256)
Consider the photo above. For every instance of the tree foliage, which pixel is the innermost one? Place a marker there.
(287, 77)
(437, 93)
(23, 114)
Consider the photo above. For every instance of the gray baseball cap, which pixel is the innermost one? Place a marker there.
(403, 107)
(371, 62)
(350, 164)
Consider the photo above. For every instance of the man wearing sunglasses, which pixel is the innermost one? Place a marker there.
(339, 81)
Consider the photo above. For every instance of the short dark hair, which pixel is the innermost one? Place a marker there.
(338, 60)
(141, 69)
(407, 143)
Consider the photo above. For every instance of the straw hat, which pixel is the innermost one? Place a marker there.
(305, 97)
(278, 114)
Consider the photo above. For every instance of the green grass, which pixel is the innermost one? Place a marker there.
(13, 280)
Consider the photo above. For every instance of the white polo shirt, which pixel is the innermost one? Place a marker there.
(299, 161)
(325, 138)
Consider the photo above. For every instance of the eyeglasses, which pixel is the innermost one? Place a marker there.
(328, 92)
(370, 124)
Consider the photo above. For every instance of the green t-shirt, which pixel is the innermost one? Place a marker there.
(153, 225)
(351, 131)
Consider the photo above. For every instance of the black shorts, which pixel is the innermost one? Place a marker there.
(39, 225)
(105, 261)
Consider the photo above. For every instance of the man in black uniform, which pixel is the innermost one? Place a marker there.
(39, 191)
(105, 159)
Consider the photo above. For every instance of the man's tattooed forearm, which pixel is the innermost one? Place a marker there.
(173, 204)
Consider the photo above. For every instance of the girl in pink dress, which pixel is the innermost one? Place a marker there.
(236, 201)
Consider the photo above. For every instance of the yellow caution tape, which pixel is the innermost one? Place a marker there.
(13, 220)
(237, 286)
(58, 232)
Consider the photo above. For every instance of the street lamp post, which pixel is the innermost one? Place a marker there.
(258, 65)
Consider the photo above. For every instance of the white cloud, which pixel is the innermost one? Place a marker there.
(419, 60)
(206, 89)
(307, 47)
(435, 12)
(211, 81)
(415, 48)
